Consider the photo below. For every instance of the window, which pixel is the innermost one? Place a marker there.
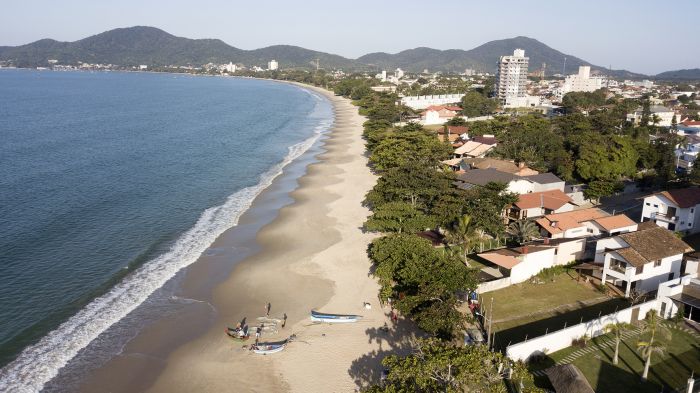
(692, 210)
(640, 269)
(656, 205)
(657, 263)
(648, 204)
(670, 276)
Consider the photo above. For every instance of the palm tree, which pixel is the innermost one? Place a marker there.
(523, 230)
(463, 232)
(617, 329)
(651, 325)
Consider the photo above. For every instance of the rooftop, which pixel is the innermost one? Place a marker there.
(682, 197)
(561, 222)
(483, 176)
(552, 200)
(615, 222)
(651, 243)
(567, 378)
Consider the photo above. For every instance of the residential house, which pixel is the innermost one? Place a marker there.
(520, 263)
(641, 260)
(519, 169)
(687, 152)
(439, 114)
(477, 147)
(583, 223)
(507, 266)
(682, 292)
(516, 183)
(454, 133)
(676, 210)
(537, 204)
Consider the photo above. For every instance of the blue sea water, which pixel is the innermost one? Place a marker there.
(110, 183)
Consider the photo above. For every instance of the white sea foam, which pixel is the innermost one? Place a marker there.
(39, 363)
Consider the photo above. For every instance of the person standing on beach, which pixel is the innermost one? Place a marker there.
(257, 335)
(284, 320)
(267, 309)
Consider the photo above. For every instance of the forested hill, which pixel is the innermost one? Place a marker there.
(151, 46)
(148, 45)
(691, 74)
(485, 58)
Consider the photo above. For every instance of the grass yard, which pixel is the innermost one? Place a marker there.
(530, 310)
(668, 372)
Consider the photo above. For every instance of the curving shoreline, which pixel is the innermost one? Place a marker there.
(313, 255)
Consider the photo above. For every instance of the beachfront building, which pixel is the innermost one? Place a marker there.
(511, 78)
(583, 223)
(641, 260)
(515, 183)
(439, 114)
(230, 67)
(676, 210)
(423, 102)
(272, 65)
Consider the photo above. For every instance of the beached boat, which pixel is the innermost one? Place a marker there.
(237, 333)
(266, 349)
(333, 318)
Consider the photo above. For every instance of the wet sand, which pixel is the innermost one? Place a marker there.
(311, 255)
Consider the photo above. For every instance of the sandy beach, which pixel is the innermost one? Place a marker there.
(312, 256)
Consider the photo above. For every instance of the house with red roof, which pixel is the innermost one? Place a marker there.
(537, 204)
(439, 114)
(676, 210)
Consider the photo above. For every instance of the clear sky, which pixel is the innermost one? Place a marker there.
(639, 35)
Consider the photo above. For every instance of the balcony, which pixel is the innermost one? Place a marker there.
(618, 268)
(663, 217)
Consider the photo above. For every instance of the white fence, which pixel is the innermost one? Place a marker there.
(563, 338)
(494, 285)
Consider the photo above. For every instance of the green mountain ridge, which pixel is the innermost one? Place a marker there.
(136, 45)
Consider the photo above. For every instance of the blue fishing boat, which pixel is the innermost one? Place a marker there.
(333, 318)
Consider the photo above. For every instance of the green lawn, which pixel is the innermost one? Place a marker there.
(530, 310)
(669, 371)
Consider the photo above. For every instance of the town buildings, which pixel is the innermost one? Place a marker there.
(272, 65)
(664, 116)
(583, 81)
(512, 78)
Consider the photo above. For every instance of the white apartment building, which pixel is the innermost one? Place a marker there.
(676, 210)
(641, 260)
(582, 81)
(272, 65)
(511, 77)
(399, 73)
(230, 67)
(423, 102)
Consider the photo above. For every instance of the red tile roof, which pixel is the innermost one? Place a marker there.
(552, 200)
(614, 222)
(683, 197)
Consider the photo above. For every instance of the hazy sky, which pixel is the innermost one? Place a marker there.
(639, 35)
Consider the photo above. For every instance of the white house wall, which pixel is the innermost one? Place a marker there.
(570, 251)
(531, 265)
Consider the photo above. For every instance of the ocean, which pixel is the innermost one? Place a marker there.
(111, 183)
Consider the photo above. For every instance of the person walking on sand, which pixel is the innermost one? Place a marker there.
(267, 309)
(257, 336)
(284, 320)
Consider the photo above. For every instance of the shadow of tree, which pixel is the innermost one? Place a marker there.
(396, 339)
